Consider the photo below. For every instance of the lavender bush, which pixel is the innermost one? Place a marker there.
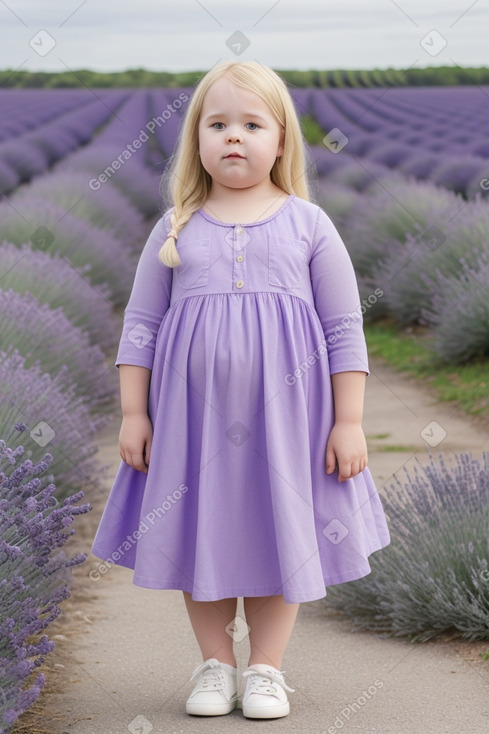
(385, 216)
(459, 311)
(478, 186)
(54, 281)
(419, 165)
(339, 201)
(166, 133)
(46, 335)
(107, 208)
(132, 178)
(9, 178)
(434, 576)
(361, 144)
(35, 136)
(35, 572)
(411, 275)
(24, 110)
(390, 154)
(131, 116)
(74, 128)
(481, 148)
(105, 260)
(457, 173)
(25, 159)
(325, 162)
(55, 416)
(54, 143)
(408, 130)
(365, 175)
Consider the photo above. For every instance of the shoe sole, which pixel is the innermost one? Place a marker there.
(199, 709)
(265, 712)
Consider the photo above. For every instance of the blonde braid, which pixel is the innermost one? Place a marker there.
(168, 253)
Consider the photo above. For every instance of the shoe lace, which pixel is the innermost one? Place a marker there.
(212, 674)
(260, 683)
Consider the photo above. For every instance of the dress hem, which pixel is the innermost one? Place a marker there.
(358, 573)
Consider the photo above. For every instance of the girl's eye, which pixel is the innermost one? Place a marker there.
(253, 124)
(218, 123)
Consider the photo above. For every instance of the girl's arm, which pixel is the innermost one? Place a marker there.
(147, 305)
(136, 432)
(338, 305)
(346, 448)
(134, 384)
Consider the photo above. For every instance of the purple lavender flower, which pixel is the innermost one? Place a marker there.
(52, 280)
(33, 578)
(63, 121)
(456, 173)
(56, 418)
(45, 334)
(9, 178)
(132, 177)
(107, 208)
(459, 311)
(26, 160)
(433, 577)
(58, 137)
(104, 259)
(420, 165)
(421, 270)
(390, 154)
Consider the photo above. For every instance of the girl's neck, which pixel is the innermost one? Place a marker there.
(244, 206)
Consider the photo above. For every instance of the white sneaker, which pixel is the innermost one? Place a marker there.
(264, 696)
(216, 691)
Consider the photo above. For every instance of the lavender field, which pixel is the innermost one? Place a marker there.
(403, 173)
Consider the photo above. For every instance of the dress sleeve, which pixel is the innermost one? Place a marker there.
(148, 302)
(336, 299)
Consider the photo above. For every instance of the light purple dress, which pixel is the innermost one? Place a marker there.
(242, 338)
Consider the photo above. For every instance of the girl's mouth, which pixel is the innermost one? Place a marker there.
(234, 155)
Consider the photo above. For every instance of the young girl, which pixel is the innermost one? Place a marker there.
(242, 365)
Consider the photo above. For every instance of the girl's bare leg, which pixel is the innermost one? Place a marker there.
(271, 622)
(209, 620)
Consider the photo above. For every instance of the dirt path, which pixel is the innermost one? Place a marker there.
(128, 670)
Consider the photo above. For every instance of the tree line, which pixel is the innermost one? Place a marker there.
(340, 78)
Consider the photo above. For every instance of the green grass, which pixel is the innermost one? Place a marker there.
(312, 78)
(386, 447)
(312, 131)
(396, 448)
(466, 385)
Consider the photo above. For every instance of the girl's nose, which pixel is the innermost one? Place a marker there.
(234, 138)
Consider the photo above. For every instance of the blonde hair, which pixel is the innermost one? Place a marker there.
(188, 182)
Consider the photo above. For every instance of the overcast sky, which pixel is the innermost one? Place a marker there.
(113, 35)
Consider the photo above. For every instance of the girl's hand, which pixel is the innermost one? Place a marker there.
(346, 450)
(135, 440)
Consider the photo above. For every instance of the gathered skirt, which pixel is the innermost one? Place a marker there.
(236, 501)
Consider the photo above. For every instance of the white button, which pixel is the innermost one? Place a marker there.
(240, 258)
(240, 230)
(239, 283)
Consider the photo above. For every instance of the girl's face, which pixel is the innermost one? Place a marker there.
(239, 138)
